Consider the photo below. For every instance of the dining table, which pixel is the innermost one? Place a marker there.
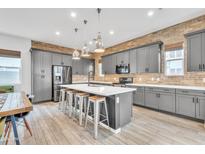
(12, 104)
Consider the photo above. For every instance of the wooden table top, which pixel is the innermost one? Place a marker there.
(14, 103)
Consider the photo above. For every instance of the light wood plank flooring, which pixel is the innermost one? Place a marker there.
(51, 126)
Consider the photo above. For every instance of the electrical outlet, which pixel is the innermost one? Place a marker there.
(203, 80)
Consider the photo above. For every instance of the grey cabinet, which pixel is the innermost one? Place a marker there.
(142, 64)
(200, 107)
(167, 102)
(153, 58)
(41, 77)
(77, 67)
(122, 58)
(82, 66)
(61, 59)
(151, 99)
(147, 59)
(67, 60)
(196, 52)
(109, 64)
(56, 59)
(133, 61)
(185, 105)
(138, 96)
(160, 98)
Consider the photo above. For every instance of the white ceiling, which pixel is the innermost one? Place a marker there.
(41, 24)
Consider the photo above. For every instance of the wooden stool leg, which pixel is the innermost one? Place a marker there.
(9, 132)
(96, 119)
(86, 116)
(6, 128)
(27, 125)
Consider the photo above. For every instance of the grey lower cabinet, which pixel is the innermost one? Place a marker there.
(167, 102)
(151, 100)
(41, 76)
(185, 105)
(160, 98)
(138, 97)
(200, 107)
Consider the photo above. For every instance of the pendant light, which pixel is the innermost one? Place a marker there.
(85, 49)
(76, 53)
(98, 41)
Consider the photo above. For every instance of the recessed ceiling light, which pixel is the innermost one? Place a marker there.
(90, 42)
(111, 32)
(150, 13)
(73, 14)
(57, 33)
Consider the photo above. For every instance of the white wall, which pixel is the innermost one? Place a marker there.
(23, 45)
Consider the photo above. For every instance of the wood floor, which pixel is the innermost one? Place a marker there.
(51, 126)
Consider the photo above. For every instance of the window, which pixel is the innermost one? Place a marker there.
(9, 71)
(174, 62)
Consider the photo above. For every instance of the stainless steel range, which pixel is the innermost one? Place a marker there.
(123, 81)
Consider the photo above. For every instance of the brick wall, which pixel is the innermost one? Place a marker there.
(168, 36)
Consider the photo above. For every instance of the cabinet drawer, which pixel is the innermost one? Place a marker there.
(153, 89)
(140, 89)
(190, 92)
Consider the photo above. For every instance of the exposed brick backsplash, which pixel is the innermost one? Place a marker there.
(170, 35)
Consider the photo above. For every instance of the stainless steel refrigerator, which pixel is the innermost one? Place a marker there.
(60, 75)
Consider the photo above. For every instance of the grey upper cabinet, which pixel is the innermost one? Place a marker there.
(153, 58)
(122, 58)
(195, 52)
(203, 51)
(56, 59)
(67, 60)
(142, 64)
(82, 66)
(77, 67)
(133, 61)
(200, 108)
(109, 64)
(185, 105)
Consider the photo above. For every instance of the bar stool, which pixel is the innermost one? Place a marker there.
(97, 100)
(61, 100)
(81, 101)
(70, 98)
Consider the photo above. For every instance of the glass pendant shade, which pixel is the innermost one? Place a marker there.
(76, 54)
(85, 51)
(99, 44)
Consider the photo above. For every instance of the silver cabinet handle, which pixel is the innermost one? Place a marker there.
(193, 100)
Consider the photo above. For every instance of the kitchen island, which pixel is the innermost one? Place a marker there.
(119, 102)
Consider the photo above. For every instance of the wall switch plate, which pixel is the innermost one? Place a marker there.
(117, 100)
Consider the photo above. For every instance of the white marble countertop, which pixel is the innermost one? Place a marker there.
(102, 90)
(103, 82)
(168, 86)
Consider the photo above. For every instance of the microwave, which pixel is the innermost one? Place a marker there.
(122, 69)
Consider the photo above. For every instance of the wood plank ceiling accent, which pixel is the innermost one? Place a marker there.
(169, 47)
(10, 53)
(47, 47)
(50, 47)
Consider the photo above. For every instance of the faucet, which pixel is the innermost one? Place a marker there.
(90, 76)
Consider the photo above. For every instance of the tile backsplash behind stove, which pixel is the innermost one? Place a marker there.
(190, 78)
